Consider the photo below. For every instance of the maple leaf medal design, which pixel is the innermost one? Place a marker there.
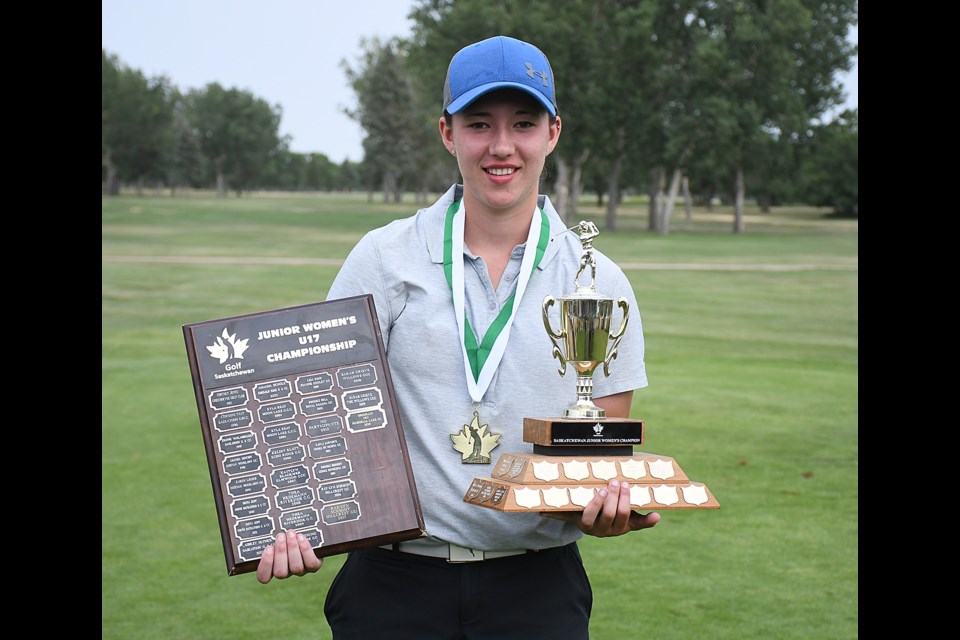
(474, 442)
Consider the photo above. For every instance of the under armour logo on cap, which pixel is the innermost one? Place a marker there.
(533, 74)
(500, 62)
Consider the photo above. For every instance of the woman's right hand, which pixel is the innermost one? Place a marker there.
(290, 555)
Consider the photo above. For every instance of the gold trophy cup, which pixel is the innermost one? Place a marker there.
(576, 455)
(585, 318)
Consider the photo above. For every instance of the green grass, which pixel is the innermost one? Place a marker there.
(753, 389)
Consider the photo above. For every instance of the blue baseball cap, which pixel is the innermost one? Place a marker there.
(498, 63)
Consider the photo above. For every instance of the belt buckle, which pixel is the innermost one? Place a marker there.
(456, 553)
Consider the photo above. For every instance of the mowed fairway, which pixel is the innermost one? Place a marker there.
(753, 361)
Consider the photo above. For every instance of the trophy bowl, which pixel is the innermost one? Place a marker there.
(585, 320)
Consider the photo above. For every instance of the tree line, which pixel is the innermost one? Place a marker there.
(712, 99)
(152, 134)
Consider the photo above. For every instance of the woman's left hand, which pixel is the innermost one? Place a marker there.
(608, 514)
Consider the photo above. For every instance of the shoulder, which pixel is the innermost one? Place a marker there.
(400, 237)
(395, 232)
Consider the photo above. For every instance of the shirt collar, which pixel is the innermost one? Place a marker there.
(435, 215)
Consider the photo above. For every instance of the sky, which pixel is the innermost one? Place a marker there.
(286, 52)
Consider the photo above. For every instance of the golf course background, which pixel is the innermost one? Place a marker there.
(752, 353)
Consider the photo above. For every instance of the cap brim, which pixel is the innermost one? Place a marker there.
(458, 105)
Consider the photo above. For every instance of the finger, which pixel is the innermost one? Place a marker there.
(642, 521)
(280, 567)
(265, 568)
(621, 522)
(294, 558)
(311, 562)
(611, 506)
(588, 519)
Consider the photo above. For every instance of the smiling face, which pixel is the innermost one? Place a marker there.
(501, 142)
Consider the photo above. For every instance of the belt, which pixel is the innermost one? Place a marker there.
(453, 552)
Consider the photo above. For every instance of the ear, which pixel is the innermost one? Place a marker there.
(554, 135)
(446, 135)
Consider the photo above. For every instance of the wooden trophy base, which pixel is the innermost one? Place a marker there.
(574, 459)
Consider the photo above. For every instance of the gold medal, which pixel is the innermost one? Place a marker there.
(481, 357)
(474, 442)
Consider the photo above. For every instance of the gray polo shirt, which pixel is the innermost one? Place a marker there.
(401, 264)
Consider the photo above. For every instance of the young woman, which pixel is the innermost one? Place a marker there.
(479, 262)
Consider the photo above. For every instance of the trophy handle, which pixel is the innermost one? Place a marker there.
(612, 353)
(554, 336)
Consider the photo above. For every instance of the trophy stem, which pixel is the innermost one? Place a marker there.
(585, 408)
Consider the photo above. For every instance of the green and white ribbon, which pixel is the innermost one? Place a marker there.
(481, 360)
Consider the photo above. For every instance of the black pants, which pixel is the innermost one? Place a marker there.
(400, 596)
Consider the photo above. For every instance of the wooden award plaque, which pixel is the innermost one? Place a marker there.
(573, 459)
(301, 430)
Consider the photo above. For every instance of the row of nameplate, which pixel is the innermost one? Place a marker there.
(526, 468)
(509, 496)
(532, 482)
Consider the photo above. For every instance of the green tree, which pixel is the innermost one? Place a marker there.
(773, 178)
(774, 64)
(136, 132)
(349, 177)
(321, 173)
(238, 134)
(714, 93)
(185, 165)
(637, 57)
(110, 88)
(386, 112)
(328, 171)
(831, 165)
(285, 170)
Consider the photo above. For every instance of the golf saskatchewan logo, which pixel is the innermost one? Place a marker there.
(227, 348)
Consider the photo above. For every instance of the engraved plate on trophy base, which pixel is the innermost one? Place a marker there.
(567, 436)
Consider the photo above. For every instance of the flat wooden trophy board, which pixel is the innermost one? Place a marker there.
(301, 430)
(565, 470)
